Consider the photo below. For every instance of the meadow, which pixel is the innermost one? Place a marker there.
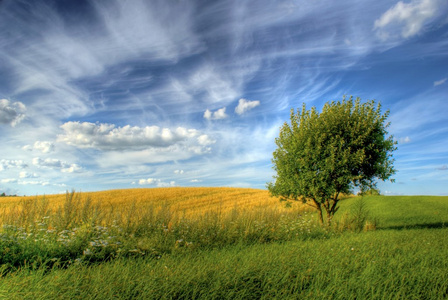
(220, 243)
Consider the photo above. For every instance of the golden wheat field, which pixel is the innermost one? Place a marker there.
(137, 204)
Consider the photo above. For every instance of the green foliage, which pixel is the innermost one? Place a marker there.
(323, 155)
(370, 192)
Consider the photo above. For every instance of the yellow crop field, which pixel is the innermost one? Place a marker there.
(135, 205)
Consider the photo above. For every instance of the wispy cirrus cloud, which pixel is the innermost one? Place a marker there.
(404, 140)
(34, 182)
(406, 19)
(440, 82)
(145, 88)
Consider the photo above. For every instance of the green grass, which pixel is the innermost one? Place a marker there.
(389, 264)
(399, 212)
(252, 258)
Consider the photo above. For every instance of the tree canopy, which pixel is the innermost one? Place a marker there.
(323, 155)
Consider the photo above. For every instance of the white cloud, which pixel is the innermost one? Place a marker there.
(195, 180)
(150, 156)
(148, 181)
(141, 29)
(11, 112)
(27, 175)
(404, 140)
(205, 140)
(107, 137)
(220, 114)
(405, 19)
(178, 171)
(9, 180)
(440, 82)
(217, 115)
(157, 182)
(245, 105)
(8, 164)
(44, 147)
(208, 115)
(216, 87)
(53, 163)
(34, 182)
(73, 168)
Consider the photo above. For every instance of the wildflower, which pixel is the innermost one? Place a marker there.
(87, 252)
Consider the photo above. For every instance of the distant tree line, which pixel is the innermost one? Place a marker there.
(4, 195)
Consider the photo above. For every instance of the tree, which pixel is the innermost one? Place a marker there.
(321, 156)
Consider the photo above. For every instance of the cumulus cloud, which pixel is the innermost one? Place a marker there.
(8, 164)
(108, 137)
(245, 105)
(405, 19)
(43, 146)
(53, 163)
(27, 175)
(216, 115)
(205, 140)
(440, 82)
(155, 181)
(11, 112)
(195, 180)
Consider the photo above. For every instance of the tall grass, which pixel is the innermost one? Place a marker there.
(189, 244)
(80, 230)
(386, 264)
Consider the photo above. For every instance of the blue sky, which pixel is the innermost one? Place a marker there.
(100, 95)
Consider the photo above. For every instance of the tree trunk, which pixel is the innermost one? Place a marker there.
(329, 217)
(319, 212)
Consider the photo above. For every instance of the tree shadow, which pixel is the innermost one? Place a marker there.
(437, 225)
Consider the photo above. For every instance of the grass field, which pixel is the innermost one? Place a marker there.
(220, 243)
